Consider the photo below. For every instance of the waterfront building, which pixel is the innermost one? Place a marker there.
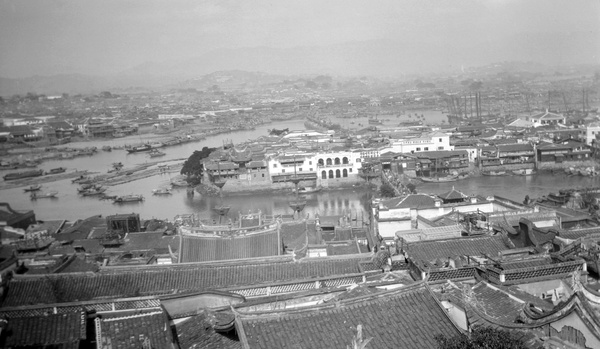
(558, 153)
(425, 142)
(338, 165)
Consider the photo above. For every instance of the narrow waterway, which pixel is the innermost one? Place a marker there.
(71, 206)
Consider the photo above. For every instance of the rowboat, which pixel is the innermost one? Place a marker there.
(93, 191)
(162, 191)
(50, 194)
(33, 188)
(56, 170)
(493, 173)
(129, 198)
(439, 179)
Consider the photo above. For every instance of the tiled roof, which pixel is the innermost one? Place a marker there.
(515, 147)
(198, 333)
(408, 317)
(156, 241)
(81, 229)
(51, 330)
(464, 246)
(165, 279)
(294, 235)
(452, 195)
(222, 166)
(342, 248)
(410, 201)
(204, 249)
(78, 265)
(578, 233)
(256, 164)
(547, 116)
(133, 330)
(89, 245)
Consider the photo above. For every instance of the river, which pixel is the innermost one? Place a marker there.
(71, 206)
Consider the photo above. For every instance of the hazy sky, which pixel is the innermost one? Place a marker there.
(108, 36)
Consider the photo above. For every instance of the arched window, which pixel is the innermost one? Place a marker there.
(345, 160)
(345, 173)
(330, 173)
(328, 161)
(320, 162)
(337, 161)
(324, 175)
(337, 174)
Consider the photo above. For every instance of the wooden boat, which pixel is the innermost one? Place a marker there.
(56, 170)
(107, 148)
(179, 183)
(439, 179)
(144, 147)
(493, 173)
(129, 198)
(154, 153)
(50, 194)
(524, 172)
(139, 148)
(162, 191)
(25, 174)
(308, 190)
(33, 188)
(93, 191)
(82, 180)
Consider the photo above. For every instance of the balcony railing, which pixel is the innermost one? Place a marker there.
(334, 165)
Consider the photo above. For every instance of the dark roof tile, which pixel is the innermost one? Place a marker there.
(465, 246)
(409, 317)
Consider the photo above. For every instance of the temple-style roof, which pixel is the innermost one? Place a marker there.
(132, 281)
(149, 329)
(409, 317)
(573, 234)
(464, 246)
(64, 330)
(81, 229)
(198, 332)
(204, 248)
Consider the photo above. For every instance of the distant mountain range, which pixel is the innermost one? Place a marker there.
(369, 58)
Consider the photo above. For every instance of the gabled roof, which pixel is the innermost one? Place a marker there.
(548, 116)
(409, 317)
(452, 195)
(410, 201)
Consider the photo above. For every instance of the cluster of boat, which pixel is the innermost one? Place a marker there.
(583, 171)
(36, 193)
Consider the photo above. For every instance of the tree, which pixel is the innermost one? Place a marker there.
(193, 167)
(387, 190)
(481, 338)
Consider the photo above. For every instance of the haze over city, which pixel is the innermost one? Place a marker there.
(386, 38)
